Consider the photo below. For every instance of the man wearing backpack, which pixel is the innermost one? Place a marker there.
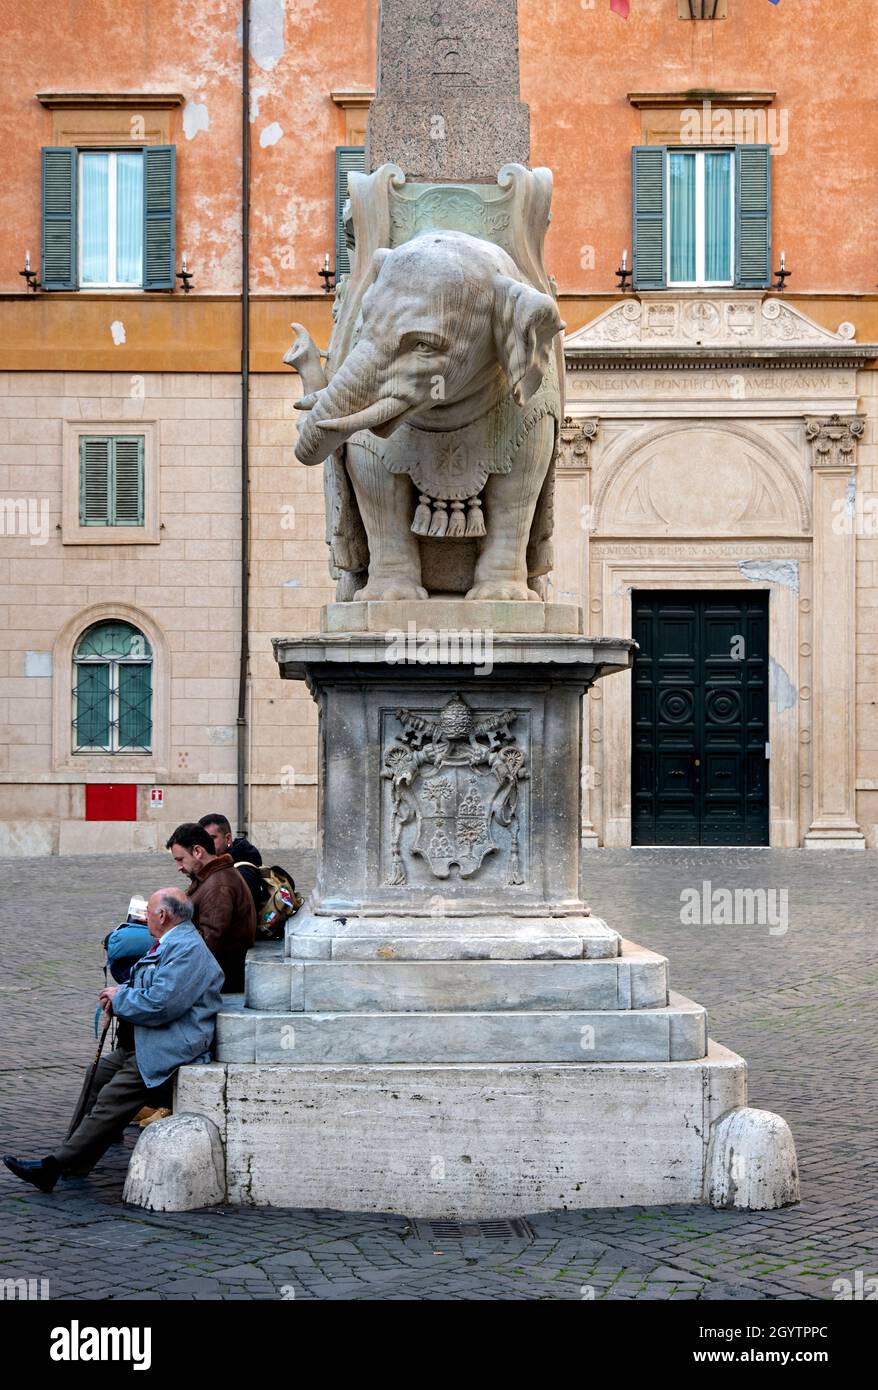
(224, 911)
(245, 856)
(273, 889)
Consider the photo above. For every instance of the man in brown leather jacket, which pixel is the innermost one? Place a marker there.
(224, 911)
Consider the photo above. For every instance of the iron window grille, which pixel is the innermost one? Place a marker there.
(112, 690)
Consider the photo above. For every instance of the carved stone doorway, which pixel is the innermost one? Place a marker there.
(700, 750)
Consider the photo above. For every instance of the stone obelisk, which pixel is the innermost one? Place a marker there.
(447, 105)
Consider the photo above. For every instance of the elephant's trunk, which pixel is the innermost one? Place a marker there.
(355, 399)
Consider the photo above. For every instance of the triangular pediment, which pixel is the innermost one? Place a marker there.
(711, 321)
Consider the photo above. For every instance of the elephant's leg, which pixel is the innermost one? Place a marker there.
(510, 503)
(385, 502)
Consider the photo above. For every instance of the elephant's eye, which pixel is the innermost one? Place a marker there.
(424, 347)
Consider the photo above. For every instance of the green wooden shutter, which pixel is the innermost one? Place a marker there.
(159, 217)
(649, 180)
(58, 235)
(752, 216)
(127, 491)
(92, 721)
(135, 706)
(95, 467)
(347, 158)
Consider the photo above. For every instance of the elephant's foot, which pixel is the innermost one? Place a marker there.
(391, 587)
(503, 589)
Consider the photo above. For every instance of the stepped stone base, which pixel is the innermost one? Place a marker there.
(275, 985)
(313, 937)
(677, 1032)
(471, 1141)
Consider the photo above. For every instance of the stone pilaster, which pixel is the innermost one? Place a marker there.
(833, 468)
(573, 498)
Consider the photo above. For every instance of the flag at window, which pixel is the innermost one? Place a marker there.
(620, 7)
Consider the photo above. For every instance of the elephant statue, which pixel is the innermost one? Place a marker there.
(443, 419)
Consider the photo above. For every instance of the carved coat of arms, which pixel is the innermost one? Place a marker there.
(457, 778)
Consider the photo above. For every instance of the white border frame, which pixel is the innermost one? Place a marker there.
(700, 282)
(110, 283)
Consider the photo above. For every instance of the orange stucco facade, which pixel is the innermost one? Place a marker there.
(579, 64)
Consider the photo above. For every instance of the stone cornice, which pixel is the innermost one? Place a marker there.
(138, 101)
(705, 359)
(668, 100)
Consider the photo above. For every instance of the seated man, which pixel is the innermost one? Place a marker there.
(224, 911)
(166, 1016)
(245, 856)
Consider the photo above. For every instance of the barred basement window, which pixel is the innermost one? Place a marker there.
(112, 690)
(111, 480)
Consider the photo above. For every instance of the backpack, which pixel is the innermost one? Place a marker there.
(282, 901)
(125, 945)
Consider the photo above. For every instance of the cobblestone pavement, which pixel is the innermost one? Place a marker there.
(798, 1004)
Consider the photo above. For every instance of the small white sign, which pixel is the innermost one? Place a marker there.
(156, 796)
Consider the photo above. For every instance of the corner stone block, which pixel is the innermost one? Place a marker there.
(751, 1161)
(178, 1165)
(274, 985)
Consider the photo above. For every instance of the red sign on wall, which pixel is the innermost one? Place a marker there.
(110, 801)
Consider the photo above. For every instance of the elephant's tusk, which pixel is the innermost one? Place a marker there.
(381, 413)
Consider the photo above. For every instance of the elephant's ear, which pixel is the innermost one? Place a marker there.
(525, 323)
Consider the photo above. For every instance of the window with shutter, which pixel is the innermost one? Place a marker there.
(348, 158)
(112, 690)
(702, 217)
(111, 480)
(108, 218)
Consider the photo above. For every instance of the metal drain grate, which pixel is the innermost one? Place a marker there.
(471, 1230)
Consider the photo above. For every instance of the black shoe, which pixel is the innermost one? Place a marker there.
(42, 1172)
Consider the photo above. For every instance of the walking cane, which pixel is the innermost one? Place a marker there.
(79, 1112)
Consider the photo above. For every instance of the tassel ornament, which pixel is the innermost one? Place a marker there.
(457, 520)
(475, 521)
(439, 524)
(423, 515)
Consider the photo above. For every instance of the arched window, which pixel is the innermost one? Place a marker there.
(112, 690)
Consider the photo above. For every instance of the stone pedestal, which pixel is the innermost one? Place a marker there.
(447, 1030)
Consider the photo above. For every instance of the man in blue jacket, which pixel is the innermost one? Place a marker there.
(166, 1014)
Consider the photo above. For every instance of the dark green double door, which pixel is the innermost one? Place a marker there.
(700, 719)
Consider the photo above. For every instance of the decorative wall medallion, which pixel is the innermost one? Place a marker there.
(700, 319)
(457, 779)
